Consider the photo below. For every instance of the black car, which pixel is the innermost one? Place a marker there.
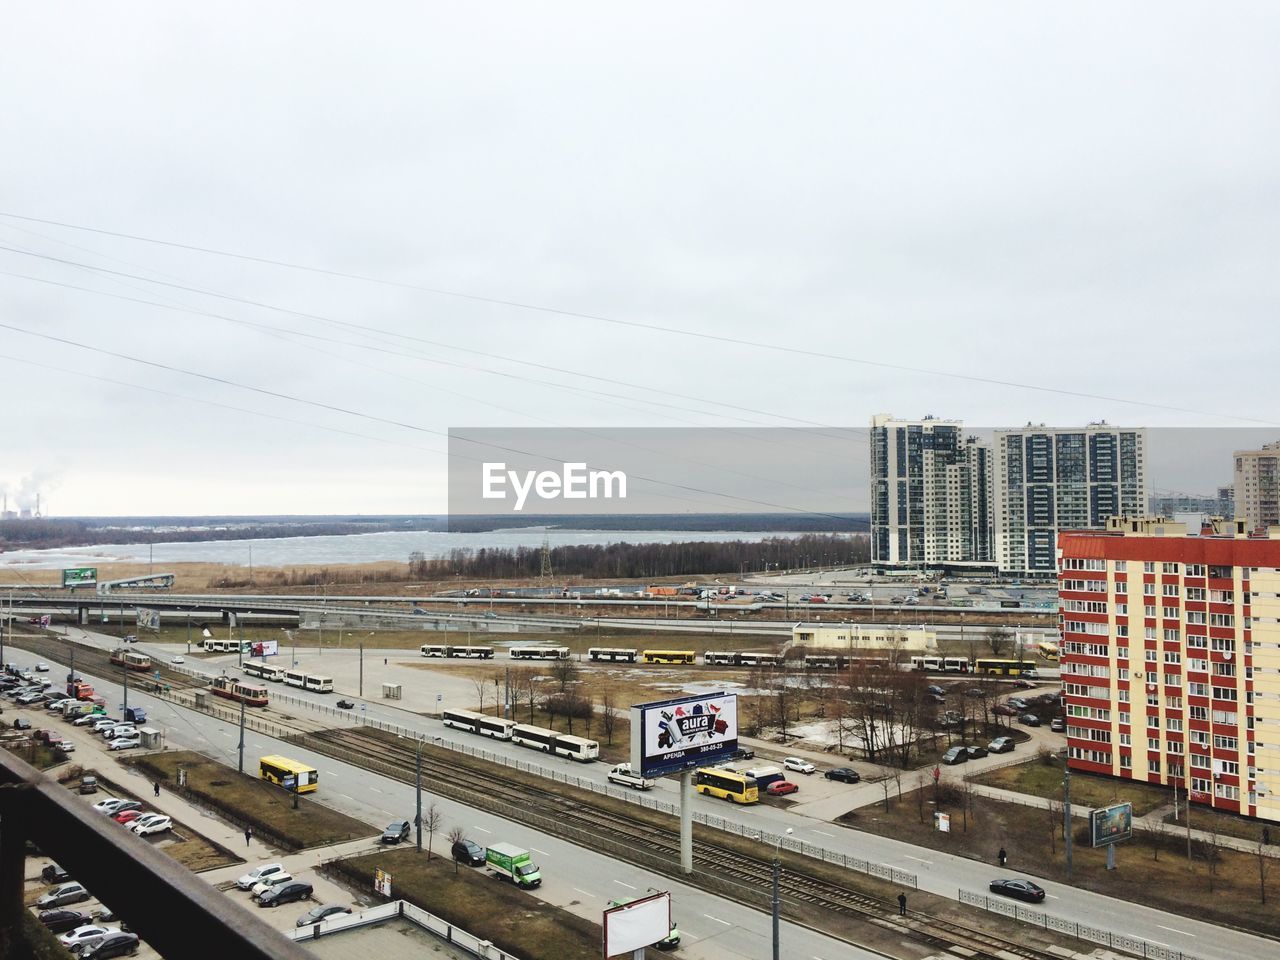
(955, 755)
(1019, 889)
(975, 752)
(469, 852)
(316, 914)
(345, 705)
(60, 921)
(1029, 719)
(54, 874)
(843, 774)
(285, 893)
(396, 832)
(743, 754)
(112, 945)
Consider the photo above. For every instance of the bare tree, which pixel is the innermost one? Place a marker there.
(1264, 867)
(530, 685)
(999, 639)
(921, 781)
(432, 820)
(456, 835)
(885, 784)
(1158, 830)
(1212, 854)
(515, 691)
(966, 800)
(589, 715)
(1055, 824)
(482, 686)
(607, 718)
(564, 672)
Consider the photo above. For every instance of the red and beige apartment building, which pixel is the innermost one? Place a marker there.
(1170, 658)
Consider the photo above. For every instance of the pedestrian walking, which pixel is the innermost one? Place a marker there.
(384, 661)
(902, 904)
(1003, 856)
(248, 835)
(157, 786)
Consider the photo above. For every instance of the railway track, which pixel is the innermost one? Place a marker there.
(737, 875)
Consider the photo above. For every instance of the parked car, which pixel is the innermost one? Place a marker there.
(127, 817)
(345, 705)
(975, 752)
(468, 852)
(103, 723)
(1019, 702)
(316, 914)
(1029, 719)
(112, 805)
(955, 755)
(42, 668)
(799, 765)
(89, 784)
(59, 704)
(54, 874)
(87, 720)
(22, 723)
(843, 774)
(936, 690)
(63, 894)
(1019, 889)
(119, 730)
(397, 832)
(129, 638)
(60, 921)
(119, 944)
(259, 873)
(1005, 710)
(61, 743)
(285, 893)
(780, 788)
(267, 882)
(1058, 725)
(151, 823)
(124, 743)
(1001, 745)
(86, 936)
(742, 753)
(1025, 684)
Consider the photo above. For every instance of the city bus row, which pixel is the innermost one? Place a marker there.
(746, 658)
(524, 734)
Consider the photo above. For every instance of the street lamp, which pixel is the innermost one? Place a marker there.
(777, 872)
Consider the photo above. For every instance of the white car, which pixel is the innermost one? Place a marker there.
(151, 823)
(58, 704)
(271, 882)
(66, 746)
(103, 723)
(119, 730)
(42, 668)
(258, 874)
(86, 936)
(109, 806)
(87, 719)
(124, 743)
(798, 765)
(176, 660)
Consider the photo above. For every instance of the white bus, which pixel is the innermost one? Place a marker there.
(720, 657)
(540, 738)
(447, 650)
(461, 719)
(941, 664)
(536, 652)
(318, 684)
(472, 722)
(748, 659)
(264, 671)
(226, 646)
(613, 654)
(294, 678)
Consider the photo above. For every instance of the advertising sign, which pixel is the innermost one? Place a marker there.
(79, 576)
(264, 648)
(148, 619)
(673, 735)
(382, 882)
(636, 924)
(1111, 824)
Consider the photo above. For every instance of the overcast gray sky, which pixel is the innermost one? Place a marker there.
(1079, 197)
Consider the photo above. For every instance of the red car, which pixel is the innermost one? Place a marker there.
(780, 788)
(127, 816)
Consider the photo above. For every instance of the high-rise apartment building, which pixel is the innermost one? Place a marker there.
(1046, 479)
(1257, 486)
(930, 493)
(1170, 658)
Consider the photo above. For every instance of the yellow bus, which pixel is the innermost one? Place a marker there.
(726, 785)
(667, 656)
(289, 774)
(1048, 650)
(1006, 668)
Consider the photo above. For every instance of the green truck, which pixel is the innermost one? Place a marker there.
(514, 864)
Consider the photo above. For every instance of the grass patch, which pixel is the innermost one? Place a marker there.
(1221, 822)
(515, 921)
(250, 802)
(39, 755)
(1151, 869)
(1040, 779)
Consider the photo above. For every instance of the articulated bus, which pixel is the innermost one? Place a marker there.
(612, 654)
(277, 769)
(748, 659)
(227, 646)
(562, 744)
(130, 659)
(536, 652)
(233, 688)
(264, 671)
(726, 785)
(447, 650)
(723, 658)
(472, 722)
(667, 656)
(308, 681)
(1006, 668)
(941, 664)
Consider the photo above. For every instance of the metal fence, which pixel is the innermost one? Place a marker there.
(402, 909)
(1082, 931)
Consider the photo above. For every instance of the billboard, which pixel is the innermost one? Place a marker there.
(264, 648)
(79, 576)
(673, 735)
(635, 924)
(148, 619)
(1111, 824)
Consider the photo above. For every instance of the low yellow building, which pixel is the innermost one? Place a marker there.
(864, 639)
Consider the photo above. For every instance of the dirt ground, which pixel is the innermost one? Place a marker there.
(1045, 780)
(1152, 870)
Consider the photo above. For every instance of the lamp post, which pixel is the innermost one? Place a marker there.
(777, 873)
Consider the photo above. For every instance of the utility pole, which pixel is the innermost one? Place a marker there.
(188, 633)
(240, 767)
(362, 671)
(1066, 811)
(125, 668)
(1186, 780)
(417, 817)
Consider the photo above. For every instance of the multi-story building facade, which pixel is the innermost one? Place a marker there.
(1047, 479)
(930, 493)
(1257, 486)
(1170, 658)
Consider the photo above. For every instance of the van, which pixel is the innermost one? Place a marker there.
(89, 785)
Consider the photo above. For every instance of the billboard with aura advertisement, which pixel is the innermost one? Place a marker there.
(673, 735)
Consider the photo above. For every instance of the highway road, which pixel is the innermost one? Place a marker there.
(938, 872)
